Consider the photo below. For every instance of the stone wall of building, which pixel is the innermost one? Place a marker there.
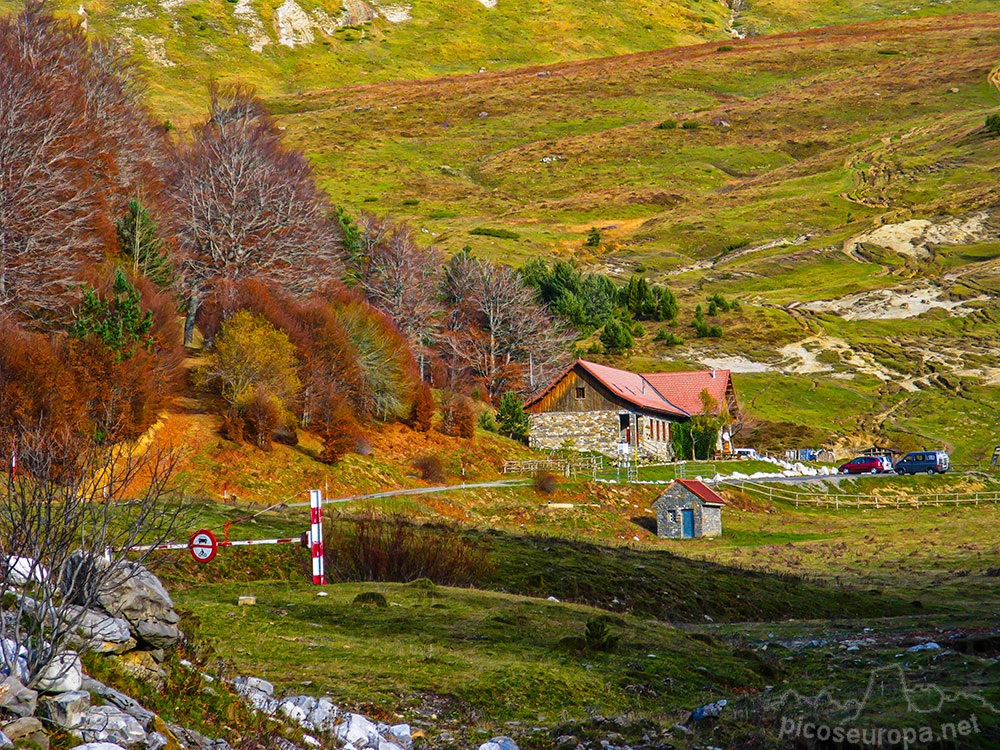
(668, 511)
(585, 431)
(711, 520)
(669, 523)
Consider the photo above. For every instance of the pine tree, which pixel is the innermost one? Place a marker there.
(511, 419)
(667, 306)
(616, 337)
(119, 323)
(140, 241)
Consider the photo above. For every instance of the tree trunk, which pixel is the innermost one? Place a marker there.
(192, 310)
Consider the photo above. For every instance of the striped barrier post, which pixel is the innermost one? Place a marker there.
(316, 536)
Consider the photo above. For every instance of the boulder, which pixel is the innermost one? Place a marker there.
(64, 674)
(109, 724)
(156, 741)
(66, 709)
(499, 743)
(257, 692)
(27, 728)
(5, 741)
(142, 666)
(359, 731)
(130, 591)
(129, 705)
(102, 632)
(24, 570)
(16, 656)
(15, 698)
(99, 746)
(401, 735)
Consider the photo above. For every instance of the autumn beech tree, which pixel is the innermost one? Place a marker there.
(401, 278)
(75, 145)
(497, 331)
(249, 207)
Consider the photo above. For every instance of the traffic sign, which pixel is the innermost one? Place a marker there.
(203, 546)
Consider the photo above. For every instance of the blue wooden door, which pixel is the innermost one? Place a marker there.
(687, 523)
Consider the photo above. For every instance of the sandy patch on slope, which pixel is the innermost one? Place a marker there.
(889, 304)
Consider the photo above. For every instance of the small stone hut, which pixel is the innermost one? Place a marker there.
(688, 509)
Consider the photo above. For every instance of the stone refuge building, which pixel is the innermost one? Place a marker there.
(688, 509)
(592, 407)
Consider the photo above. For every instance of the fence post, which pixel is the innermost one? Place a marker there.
(316, 537)
(838, 502)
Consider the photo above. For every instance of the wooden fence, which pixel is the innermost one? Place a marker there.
(837, 501)
(568, 466)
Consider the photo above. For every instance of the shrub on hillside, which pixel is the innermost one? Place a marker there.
(993, 124)
(668, 337)
(593, 238)
(503, 234)
(486, 421)
(690, 125)
(545, 482)
(422, 411)
(376, 548)
(667, 125)
(431, 469)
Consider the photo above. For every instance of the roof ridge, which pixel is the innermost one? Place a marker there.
(658, 393)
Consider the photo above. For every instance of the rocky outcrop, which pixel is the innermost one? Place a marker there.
(131, 593)
(16, 699)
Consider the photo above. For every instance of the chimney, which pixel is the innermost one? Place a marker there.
(713, 373)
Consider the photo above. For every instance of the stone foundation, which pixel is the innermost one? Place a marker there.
(583, 431)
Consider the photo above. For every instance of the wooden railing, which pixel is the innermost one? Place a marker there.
(837, 501)
(571, 467)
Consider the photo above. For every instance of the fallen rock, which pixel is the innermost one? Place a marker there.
(15, 698)
(156, 741)
(257, 692)
(358, 730)
(17, 656)
(24, 570)
(99, 746)
(499, 743)
(26, 728)
(65, 710)
(192, 740)
(5, 741)
(64, 674)
(142, 666)
(708, 711)
(129, 591)
(129, 705)
(931, 646)
(109, 724)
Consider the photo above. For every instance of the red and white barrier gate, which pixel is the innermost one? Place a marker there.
(203, 544)
(316, 536)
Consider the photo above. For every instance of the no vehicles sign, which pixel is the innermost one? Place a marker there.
(203, 546)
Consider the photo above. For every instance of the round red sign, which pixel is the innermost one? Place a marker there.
(203, 546)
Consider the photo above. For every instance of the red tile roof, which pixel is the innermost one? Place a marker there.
(684, 388)
(632, 387)
(703, 491)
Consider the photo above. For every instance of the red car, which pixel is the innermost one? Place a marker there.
(866, 465)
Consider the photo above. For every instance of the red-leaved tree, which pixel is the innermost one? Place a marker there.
(75, 145)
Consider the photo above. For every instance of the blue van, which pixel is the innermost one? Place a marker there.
(930, 462)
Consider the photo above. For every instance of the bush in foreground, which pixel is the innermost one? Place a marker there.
(394, 549)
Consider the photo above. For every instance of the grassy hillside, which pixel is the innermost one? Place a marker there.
(284, 46)
(840, 181)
